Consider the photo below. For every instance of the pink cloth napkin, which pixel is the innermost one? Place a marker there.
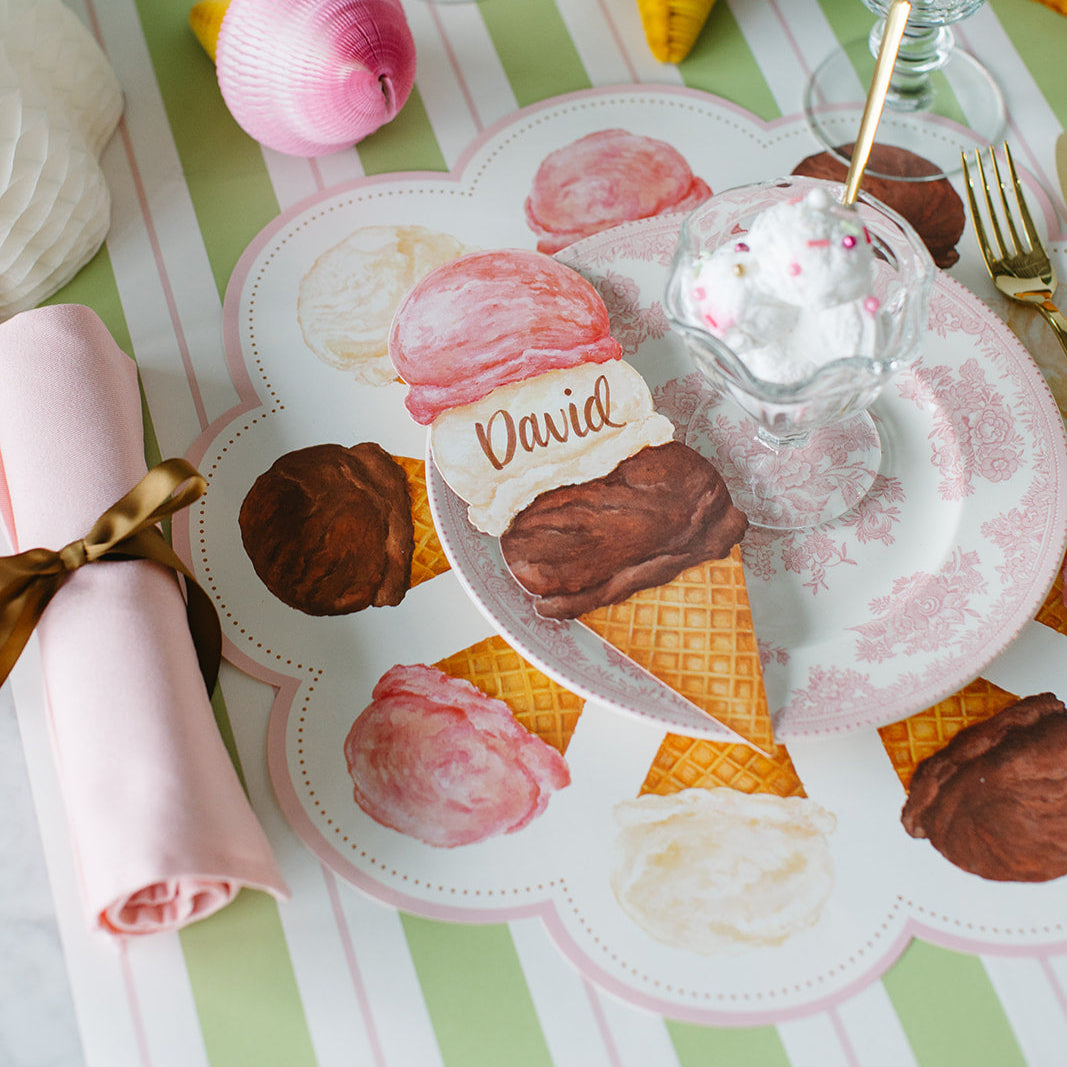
(162, 829)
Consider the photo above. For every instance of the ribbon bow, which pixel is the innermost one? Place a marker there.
(127, 530)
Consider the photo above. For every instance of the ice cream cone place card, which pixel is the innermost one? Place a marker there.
(532, 659)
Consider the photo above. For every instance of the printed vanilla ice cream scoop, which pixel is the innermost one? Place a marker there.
(349, 294)
(719, 871)
(795, 292)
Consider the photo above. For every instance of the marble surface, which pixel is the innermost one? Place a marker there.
(37, 1023)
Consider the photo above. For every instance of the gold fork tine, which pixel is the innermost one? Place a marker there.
(1009, 215)
(979, 229)
(998, 236)
(1024, 211)
(1025, 274)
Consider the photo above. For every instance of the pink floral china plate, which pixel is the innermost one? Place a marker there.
(867, 619)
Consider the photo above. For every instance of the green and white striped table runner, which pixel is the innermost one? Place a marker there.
(334, 977)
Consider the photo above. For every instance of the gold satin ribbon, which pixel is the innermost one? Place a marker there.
(127, 530)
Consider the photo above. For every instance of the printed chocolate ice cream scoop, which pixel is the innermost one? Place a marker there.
(648, 557)
(993, 801)
(329, 530)
(580, 547)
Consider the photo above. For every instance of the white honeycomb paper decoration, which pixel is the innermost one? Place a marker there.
(59, 105)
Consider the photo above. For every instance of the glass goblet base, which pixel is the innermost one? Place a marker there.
(962, 109)
(782, 485)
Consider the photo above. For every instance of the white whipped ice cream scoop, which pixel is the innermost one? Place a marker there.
(794, 292)
(812, 253)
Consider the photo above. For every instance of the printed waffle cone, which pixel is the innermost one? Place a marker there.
(429, 559)
(205, 19)
(672, 26)
(695, 635)
(540, 704)
(1053, 613)
(912, 740)
(698, 763)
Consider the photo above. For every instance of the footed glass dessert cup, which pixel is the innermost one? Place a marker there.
(797, 451)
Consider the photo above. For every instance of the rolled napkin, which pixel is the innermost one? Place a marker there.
(162, 830)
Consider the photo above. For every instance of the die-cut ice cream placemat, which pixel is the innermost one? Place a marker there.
(563, 834)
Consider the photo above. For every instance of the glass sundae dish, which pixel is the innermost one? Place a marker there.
(797, 311)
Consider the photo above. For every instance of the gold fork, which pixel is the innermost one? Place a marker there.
(1024, 272)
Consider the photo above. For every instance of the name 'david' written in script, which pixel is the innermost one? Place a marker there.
(560, 427)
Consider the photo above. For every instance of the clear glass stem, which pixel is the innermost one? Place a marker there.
(924, 51)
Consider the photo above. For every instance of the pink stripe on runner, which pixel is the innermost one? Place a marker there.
(602, 1023)
(153, 240)
(842, 1035)
(164, 278)
(617, 37)
(801, 59)
(135, 1005)
(457, 69)
(1054, 981)
(358, 985)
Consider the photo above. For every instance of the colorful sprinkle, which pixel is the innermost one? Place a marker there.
(822, 242)
(710, 321)
(741, 247)
(794, 269)
(700, 292)
(872, 304)
(848, 241)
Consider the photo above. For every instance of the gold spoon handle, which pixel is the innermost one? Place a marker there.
(895, 21)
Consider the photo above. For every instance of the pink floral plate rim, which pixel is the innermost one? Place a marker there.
(884, 625)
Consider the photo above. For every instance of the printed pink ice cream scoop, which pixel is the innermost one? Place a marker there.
(490, 318)
(436, 758)
(604, 179)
